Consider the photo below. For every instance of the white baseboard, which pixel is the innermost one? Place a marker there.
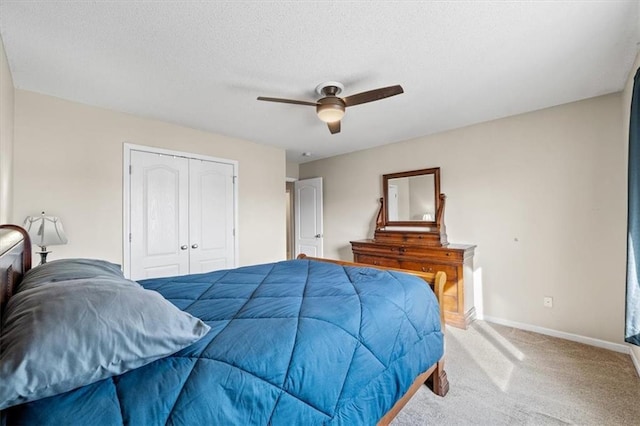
(635, 357)
(617, 347)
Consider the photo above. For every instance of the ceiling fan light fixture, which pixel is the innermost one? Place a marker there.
(330, 109)
(330, 113)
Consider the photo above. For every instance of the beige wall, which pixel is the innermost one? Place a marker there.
(6, 138)
(293, 170)
(626, 105)
(541, 194)
(68, 162)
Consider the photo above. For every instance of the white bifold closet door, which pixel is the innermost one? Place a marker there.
(181, 215)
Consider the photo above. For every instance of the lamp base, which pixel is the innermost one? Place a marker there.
(43, 256)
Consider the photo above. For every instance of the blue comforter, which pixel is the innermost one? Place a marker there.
(295, 342)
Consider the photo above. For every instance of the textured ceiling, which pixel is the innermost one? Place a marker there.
(202, 64)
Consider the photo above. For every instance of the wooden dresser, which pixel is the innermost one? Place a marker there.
(456, 260)
(410, 234)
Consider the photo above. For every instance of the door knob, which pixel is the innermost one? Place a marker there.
(184, 247)
(318, 235)
(195, 246)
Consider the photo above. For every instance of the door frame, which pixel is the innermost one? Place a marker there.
(126, 195)
(290, 214)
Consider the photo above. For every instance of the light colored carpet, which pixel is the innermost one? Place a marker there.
(504, 376)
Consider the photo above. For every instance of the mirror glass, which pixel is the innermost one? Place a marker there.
(411, 198)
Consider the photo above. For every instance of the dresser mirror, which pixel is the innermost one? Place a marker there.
(411, 198)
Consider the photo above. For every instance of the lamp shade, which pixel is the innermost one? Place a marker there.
(45, 230)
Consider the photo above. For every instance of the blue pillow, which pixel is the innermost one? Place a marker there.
(69, 269)
(64, 334)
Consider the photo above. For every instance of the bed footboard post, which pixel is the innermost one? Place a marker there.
(439, 381)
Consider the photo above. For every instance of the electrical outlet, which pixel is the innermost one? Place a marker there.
(548, 302)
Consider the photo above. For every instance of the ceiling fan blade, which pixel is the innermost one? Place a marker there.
(334, 127)
(372, 95)
(286, 101)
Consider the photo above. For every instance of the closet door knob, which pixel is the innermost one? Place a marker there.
(184, 247)
(195, 246)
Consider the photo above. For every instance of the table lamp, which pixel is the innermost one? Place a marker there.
(45, 231)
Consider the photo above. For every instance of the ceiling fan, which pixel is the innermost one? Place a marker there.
(330, 108)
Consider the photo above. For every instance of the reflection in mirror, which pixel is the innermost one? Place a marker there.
(412, 198)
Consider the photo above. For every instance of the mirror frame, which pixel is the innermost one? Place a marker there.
(435, 171)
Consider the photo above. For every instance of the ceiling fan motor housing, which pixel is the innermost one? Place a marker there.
(329, 88)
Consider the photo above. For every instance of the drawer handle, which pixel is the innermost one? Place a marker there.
(425, 269)
(375, 262)
(448, 254)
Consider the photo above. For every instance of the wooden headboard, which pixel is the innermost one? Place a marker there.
(15, 259)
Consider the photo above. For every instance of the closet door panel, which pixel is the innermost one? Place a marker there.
(159, 215)
(211, 213)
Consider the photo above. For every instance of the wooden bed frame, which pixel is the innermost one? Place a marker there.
(15, 261)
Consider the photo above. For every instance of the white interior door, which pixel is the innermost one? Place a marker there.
(392, 206)
(308, 217)
(159, 233)
(211, 216)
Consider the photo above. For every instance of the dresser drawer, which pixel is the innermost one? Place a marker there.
(434, 254)
(377, 249)
(378, 261)
(437, 254)
(451, 271)
(450, 287)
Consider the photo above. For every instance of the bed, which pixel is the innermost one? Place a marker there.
(306, 341)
